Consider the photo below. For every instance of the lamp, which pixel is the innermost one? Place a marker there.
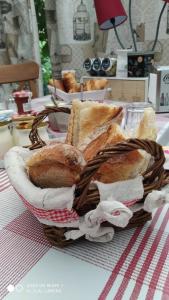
(110, 14)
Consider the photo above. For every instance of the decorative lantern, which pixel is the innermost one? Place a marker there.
(5, 7)
(81, 23)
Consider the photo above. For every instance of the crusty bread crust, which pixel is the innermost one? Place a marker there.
(123, 167)
(53, 175)
(56, 165)
(119, 167)
(111, 136)
(95, 84)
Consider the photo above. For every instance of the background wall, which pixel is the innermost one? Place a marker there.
(68, 53)
(144, 16)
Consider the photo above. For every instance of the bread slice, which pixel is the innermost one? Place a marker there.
(88, 119)
(147, 128)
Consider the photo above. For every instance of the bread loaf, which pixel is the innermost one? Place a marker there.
(56, 165)
(119, 167)
(123, 167)
(95, 84)
(57, 84)
(70, 83)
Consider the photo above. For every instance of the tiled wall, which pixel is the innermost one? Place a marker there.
(146, 12)
(67, 53)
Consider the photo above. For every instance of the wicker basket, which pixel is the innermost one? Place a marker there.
(87, 199)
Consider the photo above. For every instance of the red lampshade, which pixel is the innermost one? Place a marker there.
(166, 1)
(106, 10)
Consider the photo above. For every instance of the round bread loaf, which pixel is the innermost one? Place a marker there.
(56, 165)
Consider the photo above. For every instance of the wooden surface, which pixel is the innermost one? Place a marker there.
(28, 71)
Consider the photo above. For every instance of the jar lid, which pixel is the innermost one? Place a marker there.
(4, 120)
(28, 125)
(22, 94)
(22, 118)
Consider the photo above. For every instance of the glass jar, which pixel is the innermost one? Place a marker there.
(23, 101)
(6, 141)
(134, 113)
(16, 120)
(109, 66)
(22, 131)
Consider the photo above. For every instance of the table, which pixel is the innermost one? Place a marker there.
(162, 119)
(135, 265)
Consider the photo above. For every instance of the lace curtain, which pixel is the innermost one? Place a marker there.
(18, 35)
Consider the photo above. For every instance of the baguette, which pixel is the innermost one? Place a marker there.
(95, 84)
(57, 84)
(119, 167)
(70, 83)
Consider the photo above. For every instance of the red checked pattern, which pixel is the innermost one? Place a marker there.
(58, 216)
(4, 180)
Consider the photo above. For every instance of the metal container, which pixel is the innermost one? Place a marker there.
(159, 89)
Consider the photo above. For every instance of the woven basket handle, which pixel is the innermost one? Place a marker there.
(153, 177)
(35, 139)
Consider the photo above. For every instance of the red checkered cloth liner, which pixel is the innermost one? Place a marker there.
(58, 216)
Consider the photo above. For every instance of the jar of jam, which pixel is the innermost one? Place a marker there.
(23, 101)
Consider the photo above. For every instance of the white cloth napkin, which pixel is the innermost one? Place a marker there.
(122, 191)
(112, 211)
(41, 198)
(155, 199)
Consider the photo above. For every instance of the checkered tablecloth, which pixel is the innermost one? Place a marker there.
(135, 265)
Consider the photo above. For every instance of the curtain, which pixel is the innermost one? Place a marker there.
(18, 35)
(73, 34)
